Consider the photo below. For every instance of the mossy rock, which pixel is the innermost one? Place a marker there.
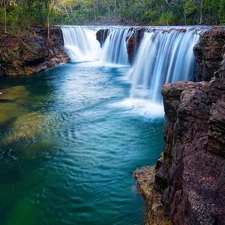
(8, 111)
(16, 93)
(27, 126)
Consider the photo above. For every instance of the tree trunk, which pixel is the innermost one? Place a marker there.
(201, 13)
(48, 25)
(5, 12)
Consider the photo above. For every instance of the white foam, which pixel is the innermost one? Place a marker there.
(142, 107)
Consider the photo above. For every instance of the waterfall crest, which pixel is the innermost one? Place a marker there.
(81, 43)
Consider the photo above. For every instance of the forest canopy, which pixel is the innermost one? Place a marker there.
(26, 13)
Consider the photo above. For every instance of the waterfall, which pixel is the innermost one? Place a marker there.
(163, 57)
(81, 43)
(115, 49)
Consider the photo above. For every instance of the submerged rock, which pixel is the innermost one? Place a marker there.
(14, 93)
(9, 111)
(10, 100)
(27, 126)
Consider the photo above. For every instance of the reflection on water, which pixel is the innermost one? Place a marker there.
(69, 145)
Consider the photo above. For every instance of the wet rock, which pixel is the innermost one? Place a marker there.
(9, 111)
(156, 213)
(14, 93)
(134, 38)
(101, 36)
(27, 126)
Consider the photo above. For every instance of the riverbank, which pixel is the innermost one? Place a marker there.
(30, 53)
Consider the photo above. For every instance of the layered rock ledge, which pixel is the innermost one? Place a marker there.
(190, 174)
(26, 54)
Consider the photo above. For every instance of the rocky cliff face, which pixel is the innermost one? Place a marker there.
(187, 186)
(208, 53)
(24, 54)
(190, 175)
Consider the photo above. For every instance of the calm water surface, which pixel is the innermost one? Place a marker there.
(69, 143)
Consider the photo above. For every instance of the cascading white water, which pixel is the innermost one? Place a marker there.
(115, 49)
(163, 57)
(81, 43)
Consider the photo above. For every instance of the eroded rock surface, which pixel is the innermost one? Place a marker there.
(24, 54)
(156, 212)
(101, 36)
(193, 158)
(208, 53)
(134, 38)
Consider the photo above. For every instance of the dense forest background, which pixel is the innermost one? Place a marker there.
(22, 14)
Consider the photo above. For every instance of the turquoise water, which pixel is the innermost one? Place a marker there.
(69, 142)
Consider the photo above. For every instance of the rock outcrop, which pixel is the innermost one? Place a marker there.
(133, 40)
(190, 174)
(101, 36)
(208, 53)
(26, 54)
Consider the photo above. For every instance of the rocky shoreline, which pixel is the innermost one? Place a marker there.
(27, 54)
(187, 185)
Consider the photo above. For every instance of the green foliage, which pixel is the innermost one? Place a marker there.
(21, 14)
(221, 12)
(165, 19)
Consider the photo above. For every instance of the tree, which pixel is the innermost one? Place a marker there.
(4, 4)
(221, 12)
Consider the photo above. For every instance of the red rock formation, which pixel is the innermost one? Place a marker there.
(25, 54)
(101, 36)
(208, 52)
(133, 40)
